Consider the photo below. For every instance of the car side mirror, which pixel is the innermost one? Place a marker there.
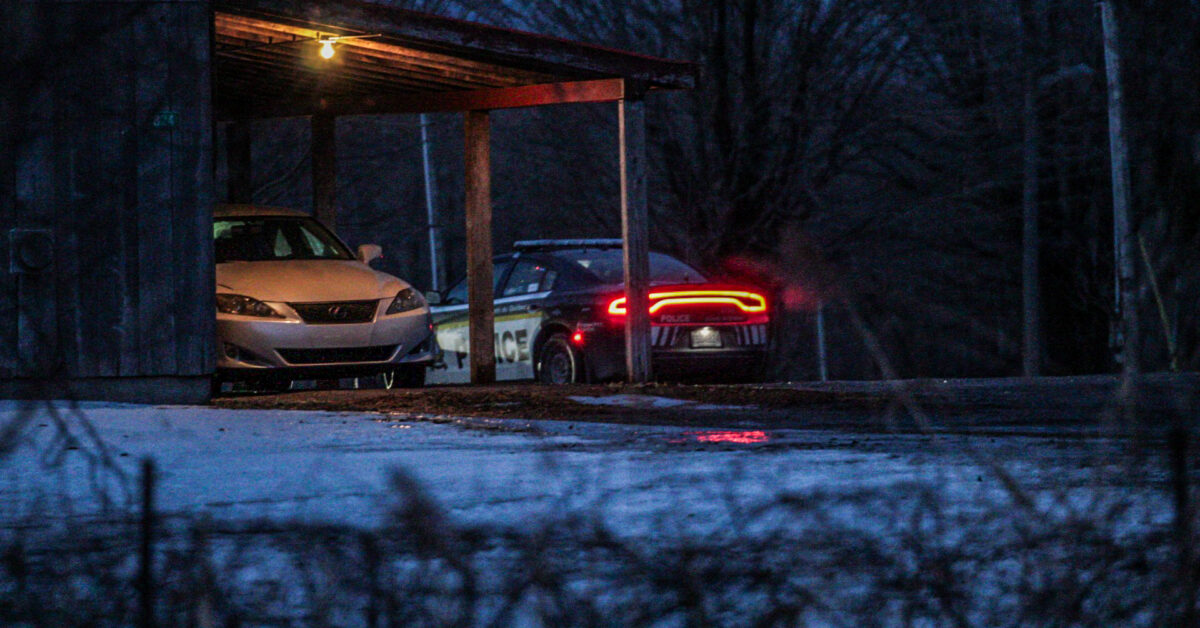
(368, 253)
(433, 297)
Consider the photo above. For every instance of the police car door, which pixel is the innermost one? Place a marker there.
(451, 321)
(519, 316)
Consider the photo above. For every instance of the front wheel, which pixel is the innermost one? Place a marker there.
(404, 376)
(559, 362)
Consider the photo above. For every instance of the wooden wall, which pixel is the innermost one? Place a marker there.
(105, 190)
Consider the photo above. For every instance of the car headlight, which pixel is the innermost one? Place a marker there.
(245, 306)
(406, 300)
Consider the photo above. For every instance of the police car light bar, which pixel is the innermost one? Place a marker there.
(584, 243)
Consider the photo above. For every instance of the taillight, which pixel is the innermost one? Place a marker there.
(748, 302)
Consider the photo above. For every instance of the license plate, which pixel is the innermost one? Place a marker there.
(706, 338)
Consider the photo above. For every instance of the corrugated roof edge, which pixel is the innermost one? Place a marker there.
(436, 32)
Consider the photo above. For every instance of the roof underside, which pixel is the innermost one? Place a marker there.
(267, 61)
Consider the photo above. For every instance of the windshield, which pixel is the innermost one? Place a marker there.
(608, 266)
(458, 294)
(272, 238)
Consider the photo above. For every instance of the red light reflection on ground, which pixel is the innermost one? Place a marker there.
(742, 438)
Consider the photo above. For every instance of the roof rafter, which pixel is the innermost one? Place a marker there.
(417, 63)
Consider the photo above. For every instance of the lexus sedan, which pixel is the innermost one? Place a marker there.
(293, 302)
(560, 313)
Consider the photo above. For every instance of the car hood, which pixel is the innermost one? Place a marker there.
(306, 281)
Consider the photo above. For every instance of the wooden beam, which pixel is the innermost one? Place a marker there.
(602, 90)
(324, 169)
(239, 163)
(479, 247)
(636, 233)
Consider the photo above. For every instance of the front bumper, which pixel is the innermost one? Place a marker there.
(258, 348)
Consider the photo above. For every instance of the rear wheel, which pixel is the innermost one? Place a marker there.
(404, 376)
(559, 362)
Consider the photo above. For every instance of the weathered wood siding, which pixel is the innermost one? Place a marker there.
(106, 166)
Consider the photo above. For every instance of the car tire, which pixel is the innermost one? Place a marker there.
(405, 376)
(214, 389)
(559, 362)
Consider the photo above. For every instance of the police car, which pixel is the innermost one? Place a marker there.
(560, 318)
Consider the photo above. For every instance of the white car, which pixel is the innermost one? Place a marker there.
(294, 303)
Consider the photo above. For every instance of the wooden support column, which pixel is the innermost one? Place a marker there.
(1125, 290)
(635, 231)
(324, 169)
(479, 247)
(239, 163)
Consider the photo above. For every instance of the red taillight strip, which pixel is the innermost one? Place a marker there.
(697, 297)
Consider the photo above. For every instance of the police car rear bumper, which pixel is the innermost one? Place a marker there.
(740, 356)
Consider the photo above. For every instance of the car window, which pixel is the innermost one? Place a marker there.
(458, 294)
(270, 238)
(548, 281)
(608, 266)
(282, 248)
(528, 277)
(315, 244)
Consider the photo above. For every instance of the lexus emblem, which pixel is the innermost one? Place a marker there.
(338, 313)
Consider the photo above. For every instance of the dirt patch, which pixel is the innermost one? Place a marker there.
(945, 404)
(699, 405)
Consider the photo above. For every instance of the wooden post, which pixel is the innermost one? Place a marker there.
(636, 233)
(822, 349)
(324, 169)
(436, 282)
(146, 585)
(479, 247)
(1126, 337)
(239, 163)
(1031, 341)
(324, 179)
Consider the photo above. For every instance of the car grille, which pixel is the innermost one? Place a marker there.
(337, 356)
(341, 313)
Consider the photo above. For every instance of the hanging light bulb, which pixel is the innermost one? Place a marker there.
(327, 42)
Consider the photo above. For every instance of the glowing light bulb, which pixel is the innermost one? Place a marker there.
(327, 49)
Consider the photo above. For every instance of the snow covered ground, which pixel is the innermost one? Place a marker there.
(334, 467)
(558, 523)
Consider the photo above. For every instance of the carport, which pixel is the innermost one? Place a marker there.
(107, 162)
(278, 59)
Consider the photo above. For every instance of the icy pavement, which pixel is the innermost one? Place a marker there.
(335, 467)
(651, 402)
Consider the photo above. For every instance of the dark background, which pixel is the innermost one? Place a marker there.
(865, 154)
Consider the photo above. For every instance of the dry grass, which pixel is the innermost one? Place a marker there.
(904, 557)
